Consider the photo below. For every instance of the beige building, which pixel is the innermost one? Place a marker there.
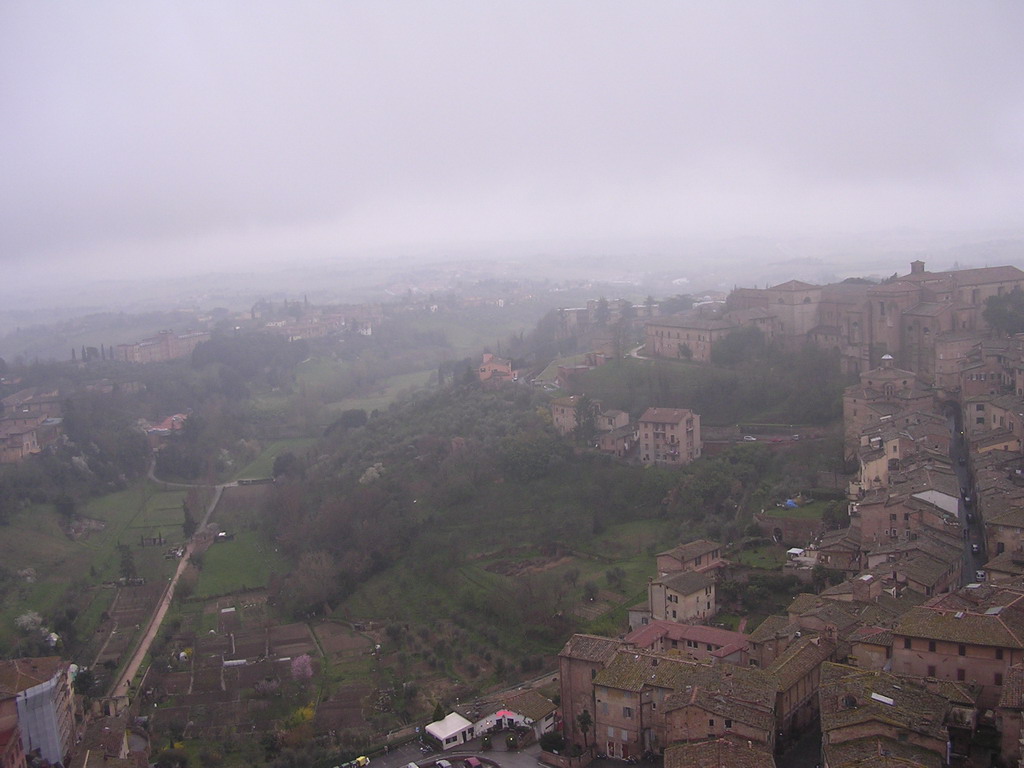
(970, 636)
(669, 436)
(683, 596)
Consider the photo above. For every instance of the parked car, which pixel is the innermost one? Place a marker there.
(472, 762)
(975, 548)
(443, 764)
(749, 439)
(979, 575)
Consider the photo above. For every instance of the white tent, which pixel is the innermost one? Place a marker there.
(452, 731)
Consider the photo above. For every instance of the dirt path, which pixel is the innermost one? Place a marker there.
(120, 686)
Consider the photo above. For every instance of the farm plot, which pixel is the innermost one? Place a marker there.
(338, 641)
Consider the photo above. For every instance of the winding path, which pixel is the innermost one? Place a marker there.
(120, 686)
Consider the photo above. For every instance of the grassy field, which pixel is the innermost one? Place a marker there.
(812, 511)
(264, 463)
(387, 392)
(769, 557)
(65, 566)
(244, 562)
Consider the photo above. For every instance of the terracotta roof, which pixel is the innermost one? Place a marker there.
(686, 582)
(793, 285)
(19, 675)
(849, 696)
(646, 636)
(998, 624)
(798, 660)
(1012, 695)
(880, 752)
(692, 550)
(633, 670)
(719, 753)
(772, 627)
(666, 415)
(590, 648)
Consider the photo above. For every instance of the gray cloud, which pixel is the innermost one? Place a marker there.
(134, 134)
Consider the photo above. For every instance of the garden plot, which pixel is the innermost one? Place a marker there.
(344, 709)
(338, 641)
(292, 640)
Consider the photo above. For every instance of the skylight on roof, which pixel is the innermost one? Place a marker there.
(883, 699)
(994, 610)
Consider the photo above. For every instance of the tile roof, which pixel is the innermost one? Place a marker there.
(717, 753)
(686, 582)
(995, 619)
(646, 636)
(849, 696)
(798, 661)
(691, 550)
(1012, 695)
(879, 752)
(17, 675)
(666, 415)
(773, 627)
(590, 648)
(632, 670)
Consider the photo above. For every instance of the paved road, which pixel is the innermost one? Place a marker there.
(120, 686)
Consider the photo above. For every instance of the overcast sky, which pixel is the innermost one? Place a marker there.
(205, 133)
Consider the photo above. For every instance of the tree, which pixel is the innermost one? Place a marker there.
(586, 419)
(302, 667)
(584, 721)
(286, 463)
(127, 562)
(438, 712)
(1005, 313)
(85, 681)
(602, 312)
(188, 527)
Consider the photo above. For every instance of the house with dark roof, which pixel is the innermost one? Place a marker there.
(642, 700)
(865, 711)
(691, 641)
(682, 596)
(970, 636)
(700, 556)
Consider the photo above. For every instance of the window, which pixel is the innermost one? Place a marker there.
(961, 675)
(931, 670)
(728, 723)
(999, 678)
(999, 653)
(906, 642)
(961, 650)
(593, 674)
(627, 712)
(931, 646)
(711, 723)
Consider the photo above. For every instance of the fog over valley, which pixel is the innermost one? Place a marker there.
(243, 142)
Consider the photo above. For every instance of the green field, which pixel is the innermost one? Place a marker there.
(812, 511)
(244, 562)
(769, 557)
(386, 392)
(65, 567)
(263, 465)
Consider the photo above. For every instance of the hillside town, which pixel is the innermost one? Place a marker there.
(910, 653)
